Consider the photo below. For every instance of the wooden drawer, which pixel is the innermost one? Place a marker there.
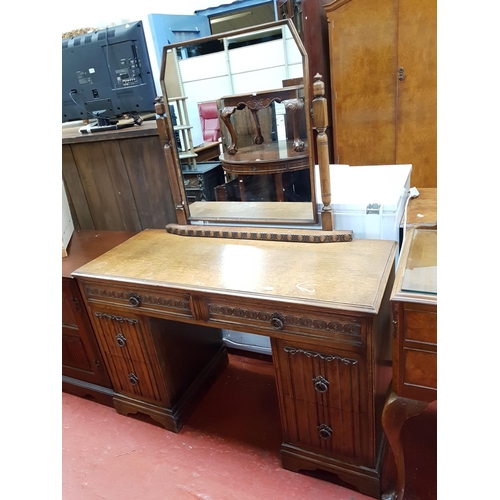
(121, 336)
(420, 326)
(133, 378)
(145, 299)
(420, 368)
(329, 377)
(286, 319)
(328, 431)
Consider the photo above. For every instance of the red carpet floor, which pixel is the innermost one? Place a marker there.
(227, 450)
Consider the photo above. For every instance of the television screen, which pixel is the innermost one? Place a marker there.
(107, 74)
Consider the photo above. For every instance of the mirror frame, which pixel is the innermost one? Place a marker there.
(174, 165)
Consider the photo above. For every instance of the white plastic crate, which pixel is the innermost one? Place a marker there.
(369, 200)
(247, 341)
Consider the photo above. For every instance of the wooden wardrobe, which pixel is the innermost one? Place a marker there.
(383, 83)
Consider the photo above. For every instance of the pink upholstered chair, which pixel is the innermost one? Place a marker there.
(209, 117)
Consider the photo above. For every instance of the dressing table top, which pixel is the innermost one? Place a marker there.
(347, 275)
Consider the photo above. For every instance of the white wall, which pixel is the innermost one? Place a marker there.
(114, 12)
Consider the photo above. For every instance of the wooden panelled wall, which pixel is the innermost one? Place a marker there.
(118, 183)
(383, 73)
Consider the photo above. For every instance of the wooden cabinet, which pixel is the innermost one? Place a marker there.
(414, 352)
(383, 57)
(83, 368)
(84, 372)
(200, 183)
(158, 324)
(117, 180)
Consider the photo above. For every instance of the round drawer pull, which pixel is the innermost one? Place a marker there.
(121, 340)
(324, 431)
(277, 321)
(134, 300)
(321, 384)
(133, 378)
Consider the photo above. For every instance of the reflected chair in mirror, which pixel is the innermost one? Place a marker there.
(265, 158)
(209, 119)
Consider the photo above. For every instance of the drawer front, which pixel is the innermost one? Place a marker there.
(137, 298)
(420, 326)
(420, 368)
(328, 377)
(121, 336)
(133, 378)
(328, 431)
(291, 320)
(193, 181)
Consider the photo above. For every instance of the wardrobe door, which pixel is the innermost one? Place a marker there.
(417, 90)
(363, 60)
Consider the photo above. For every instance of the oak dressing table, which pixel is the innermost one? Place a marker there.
(158, 301)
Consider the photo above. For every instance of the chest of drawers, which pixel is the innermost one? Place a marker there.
(414, 352)
(83, 369)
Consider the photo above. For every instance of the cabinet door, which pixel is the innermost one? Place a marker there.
(81, 358)
(417, 90)
(363, 62)
(384, 92)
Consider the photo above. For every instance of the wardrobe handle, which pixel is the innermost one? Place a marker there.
(400, 74)
(133, 378)
(121, 340)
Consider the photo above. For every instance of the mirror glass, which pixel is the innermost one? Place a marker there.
(238, 104)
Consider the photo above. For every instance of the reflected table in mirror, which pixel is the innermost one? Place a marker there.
(252, 150)
(414, 308)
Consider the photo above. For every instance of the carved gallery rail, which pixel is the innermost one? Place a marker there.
(158, 302)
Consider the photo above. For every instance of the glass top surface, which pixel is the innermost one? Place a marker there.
(420, 274)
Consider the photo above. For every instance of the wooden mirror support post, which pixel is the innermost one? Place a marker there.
(320, 123)
(174, 175)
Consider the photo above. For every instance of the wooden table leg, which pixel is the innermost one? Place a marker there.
(396, 411)
(241, 185)
(278, 182)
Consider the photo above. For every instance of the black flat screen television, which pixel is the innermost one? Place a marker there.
(107, 74)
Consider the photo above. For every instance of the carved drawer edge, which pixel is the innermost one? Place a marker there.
(273, 320)
(170, 303)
